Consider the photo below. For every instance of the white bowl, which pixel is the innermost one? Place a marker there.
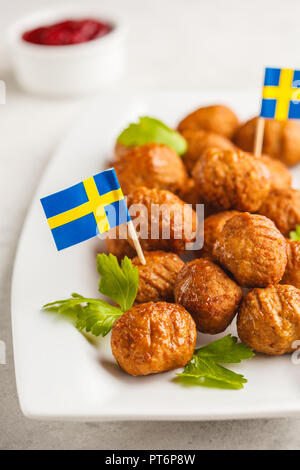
(67, 70)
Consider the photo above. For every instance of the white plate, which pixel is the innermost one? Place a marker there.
(62, 376)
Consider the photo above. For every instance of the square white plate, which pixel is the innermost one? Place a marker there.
(60, 375)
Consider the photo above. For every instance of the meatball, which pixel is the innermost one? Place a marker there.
(198, 141)
(211, 297)
(217, 118)
(153, 337)
(157, 278)
(164, 221)
(121, 150)
(231, 180)
(213, 226)
(189, 193)
(117, 244)
(280, 176)
(281, 139)
(119, 248)
(151, 165)
(292, 271)
(283, 207)
(252, 249)
(269, 319)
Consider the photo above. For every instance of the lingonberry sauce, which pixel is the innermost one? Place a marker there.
(67, 32)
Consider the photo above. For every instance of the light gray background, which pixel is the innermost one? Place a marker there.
(172, 45)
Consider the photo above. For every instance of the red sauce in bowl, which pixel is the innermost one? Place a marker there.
(67, 32)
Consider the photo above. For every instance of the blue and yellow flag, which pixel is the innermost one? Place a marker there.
(281, 94)
(86, 209)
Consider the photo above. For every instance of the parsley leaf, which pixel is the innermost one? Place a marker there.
(120, 283)
(203, 369)
(295, 234)
(92, 315)
(226, 350)
(96, 315)
(152, 130)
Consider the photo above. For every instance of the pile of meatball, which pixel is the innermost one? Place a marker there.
(247, 266)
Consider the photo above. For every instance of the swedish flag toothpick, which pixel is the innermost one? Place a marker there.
(93, 206)
(280, 100)
(281, 94)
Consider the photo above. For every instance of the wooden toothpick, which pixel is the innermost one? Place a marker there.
(259, 136)
(136, 242)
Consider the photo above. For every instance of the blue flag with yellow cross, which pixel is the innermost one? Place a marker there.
(281, 94)
(86, 209)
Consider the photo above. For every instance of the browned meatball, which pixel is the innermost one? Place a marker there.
(121, 150)
(169, 224)
(292, 271)
(119, 248)
(281, 139)
(158, 276)
(190, 195)
(213, 226)
(283, 207)
(231, 180)
(281, 178)
(153, 337)
(269, 319)
(252, 249)
(153, 166)
(117, 244)
(219, 119)
(211, 297)
(198, 141)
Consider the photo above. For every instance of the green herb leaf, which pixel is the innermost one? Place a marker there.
(120, 283)
(152, 130)
(203, 369)
(295, 234)
(92, 315)
(97, 316)
(226, 350)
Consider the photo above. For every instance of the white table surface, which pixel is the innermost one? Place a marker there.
(172, 44)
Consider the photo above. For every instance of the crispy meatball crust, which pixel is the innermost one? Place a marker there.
(180, 233)
(151, 165)
(292, 271)
(157, 278)
(211, 297)
(269, 319)
(283, 207)
(231, 180)
(281, 139)
(189, 193)
(120, 150)
(280, 176)
(198, 141)
(213, 226)
(219, 119)
(153, 337)
(117, 244)
(252, 249)
(119, 248)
